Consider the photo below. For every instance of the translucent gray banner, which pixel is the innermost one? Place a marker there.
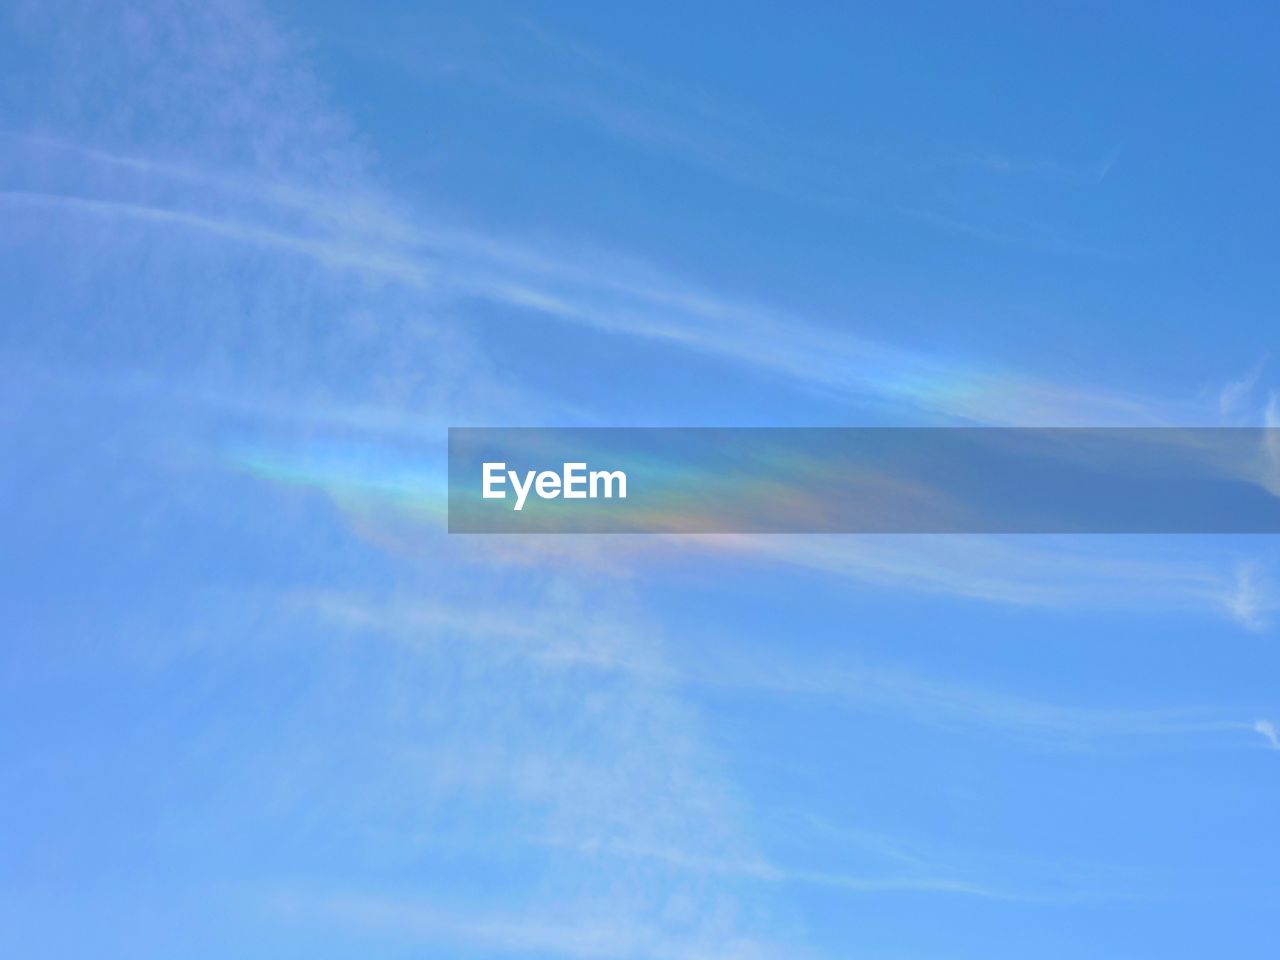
(864, 480)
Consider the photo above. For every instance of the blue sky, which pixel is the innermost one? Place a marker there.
(256, 259)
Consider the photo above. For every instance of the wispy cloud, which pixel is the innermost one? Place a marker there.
(1234, 393)
(573, 648)
(1249, 602)
(1019, 232)
(1052, 572)
(922, 879)
(588, 934)
(1268, 730)
(568, 79)
(1005, 164)
(608, 293)
(337, 255)
(953, 707)
(576, 642)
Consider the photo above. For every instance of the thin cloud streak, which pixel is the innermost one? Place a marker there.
(1268, 730)
(947, 706)
(331, 254)
(593, 935)
(577, 643)
(626, 297)
(922, 878)
(1032, 572)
